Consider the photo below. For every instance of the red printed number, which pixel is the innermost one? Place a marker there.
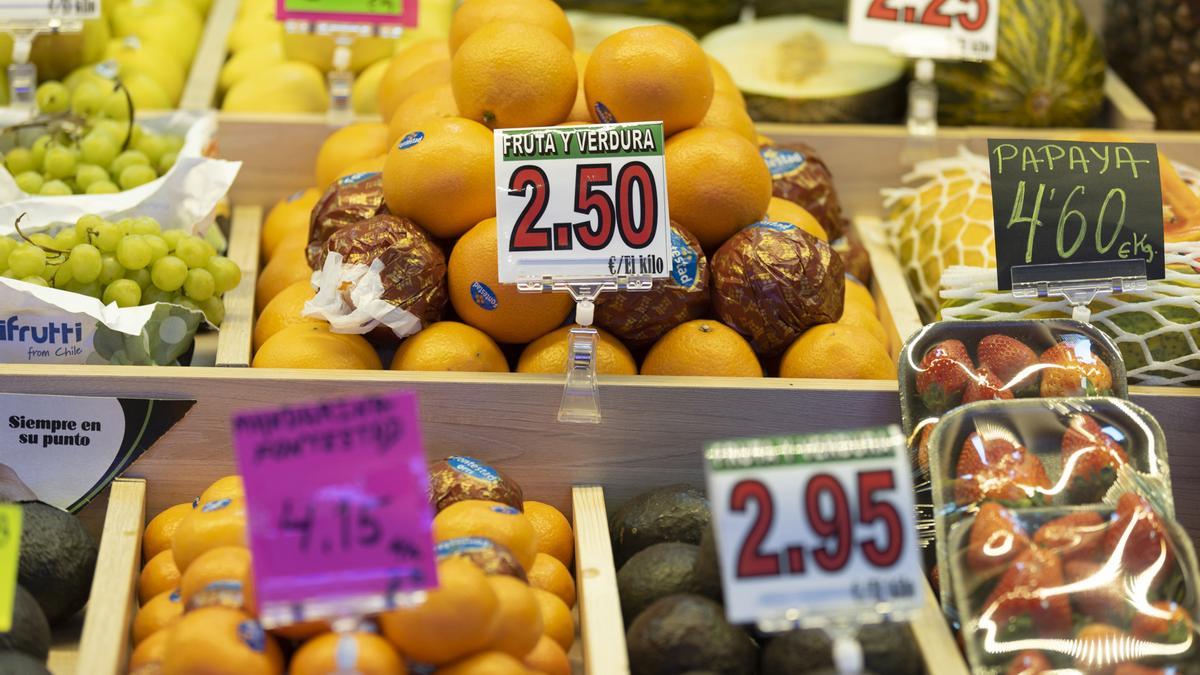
(932, 16)
(752, 562)
(870, 510)
(836, 527)
(527, 236)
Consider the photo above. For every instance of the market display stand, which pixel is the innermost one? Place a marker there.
(210, 56)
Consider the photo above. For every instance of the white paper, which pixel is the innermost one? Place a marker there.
(350, 298)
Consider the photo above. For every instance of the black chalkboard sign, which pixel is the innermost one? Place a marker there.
(1058, 202)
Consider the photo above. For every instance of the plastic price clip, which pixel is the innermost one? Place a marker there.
(1079, 282)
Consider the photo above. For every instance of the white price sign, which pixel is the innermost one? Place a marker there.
(938, 29)
(819, 527)
(582, 202)
(45, 11)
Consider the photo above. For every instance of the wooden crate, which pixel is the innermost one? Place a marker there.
(202, 81)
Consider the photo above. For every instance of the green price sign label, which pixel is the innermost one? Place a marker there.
(403, 12)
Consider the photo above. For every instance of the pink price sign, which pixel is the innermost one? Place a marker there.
(393, 12)
(338, 512)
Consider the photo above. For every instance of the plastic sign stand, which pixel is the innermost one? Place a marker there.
(582, 210)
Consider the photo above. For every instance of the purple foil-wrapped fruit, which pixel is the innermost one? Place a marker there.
(799, 175)
(347, 201)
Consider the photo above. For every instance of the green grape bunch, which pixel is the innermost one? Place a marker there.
(129, 262)
(85, 141)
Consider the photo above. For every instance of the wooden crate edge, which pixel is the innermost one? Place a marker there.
(104, 645)
(897, 309)
(234, 339)
(201, 89)
(1126, 110)
(601, 627)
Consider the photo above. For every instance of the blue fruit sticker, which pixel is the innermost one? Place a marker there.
(295, 195)
(463, 545)
(685, 261)
(604, 114)
(252, 635)
(506, 510)
(783, 162)
(174, 596)
(471, 466)
(775, 225)
(411, 139)
(357, 177)
(345, 655)
(215, 505)
(483, 296)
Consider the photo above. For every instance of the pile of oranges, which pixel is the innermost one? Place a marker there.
(197, 603)
(511, 63)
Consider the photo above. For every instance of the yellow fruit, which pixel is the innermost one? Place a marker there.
(161, 528)
(149, 651)
(210, 525)
(313, 345)
(544, 14)
(225, 487)
(485, 663)
(548, 354)
(153, 60)
(856, 293)
(287, 266)
(162, 611)
(554, 535)
(727, 112)
(442, 177)
(501, 311)
(289, 216)
(549, 574)
(430, 103)
(717, 183)
(456, 619)
(347, 145)
(288, 87)
(146, 93)
(580, 112)
(702, 347)
(556, 618)
(514, 75)
(519, 619)
(246, 62)
(362, 653)
(407, 61)
(548, 657)
(160, 575)
(450, 346)
(499, 522)
(283, 310)
(253, 30)
(319, 50)
(780, 210)
(219, 576)
(651, 73)
(860, 317)
(219, 640)
(363, 95)
(723, 84)
(837, 352)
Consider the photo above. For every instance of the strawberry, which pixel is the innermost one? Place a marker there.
(1091, 457)
(1168, 623)
(943, 374)
(1010, 359)
(1138, 669)
(1100, 648)
(923, 446)
(1076, 536)
(979, 453)
(985, 386)
(1029, 662)
(996, 538)
(1027, 591)
(1106, 599)
(1019, 480)
(1147, 541)
(1072, 369)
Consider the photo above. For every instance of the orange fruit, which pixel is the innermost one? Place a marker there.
(149, 652)
(230, 486)
(442, 176)
(406, 62)
(727, 112)
(286, 267)
(160, 575)
(556, 618)
(452, 346)
(553, 531)
(548, 657)
(362, 653)
(837, 351)
(429, 103)
(219, 576)
(717, 183)
(289, 216)
(210, 525)
(783, 211)
(580, 112)
(549, 574)
(162, 611)
(220, 640)
(485, 663)
(651, 73)
(429, 75)
(519, 619)
(347, 145)
(367, 165)
(544, 14)
(723, 83)
(284, 310)
(702, 347)
(764, 141)
(492, 520)
(501, 311)
(456, 619)
(514, 75)
(859, 316)
(858, 294)
(314, 345)
(160, 529)
(548, 354)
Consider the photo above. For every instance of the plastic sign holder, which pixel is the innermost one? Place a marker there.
(817, 531)
(582, 210)
(25, 20)
(345, 21)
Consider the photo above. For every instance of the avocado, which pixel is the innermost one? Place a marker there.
(656, 572)
(797, 652)
(708, 570)
(672, 513)
(682, 632)
(20, 663)
(30, 631)
(57, 560)
(891, 648)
